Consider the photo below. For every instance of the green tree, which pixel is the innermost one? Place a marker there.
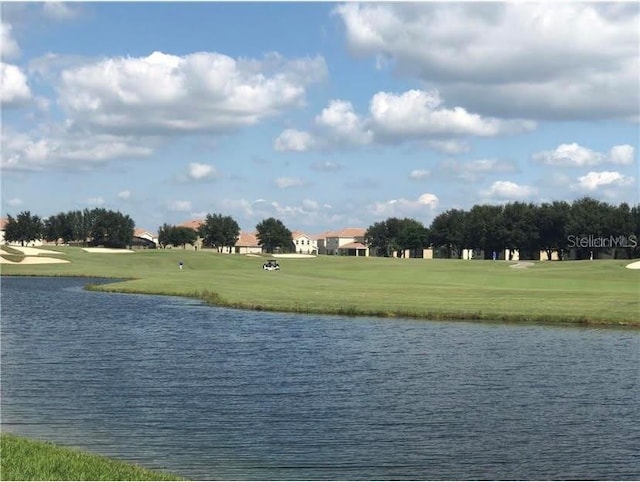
(587, 221)
(449, 230)
(396, 235)
(176, 236)
(486, 229)
(520, 229)
(634, 237)
(412, 235)
(619, 225)
(273, 234)
(219, 231)
(378, 237)
(551, 220)
(25, 228)
(111, 229)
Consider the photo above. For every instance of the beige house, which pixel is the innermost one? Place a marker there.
(347, 242)
(304, 243)
(247, 244)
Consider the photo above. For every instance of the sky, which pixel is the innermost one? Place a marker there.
(323, 115)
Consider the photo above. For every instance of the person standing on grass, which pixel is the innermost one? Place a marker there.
(180, 264)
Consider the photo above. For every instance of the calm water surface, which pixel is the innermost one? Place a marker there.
(213, 393)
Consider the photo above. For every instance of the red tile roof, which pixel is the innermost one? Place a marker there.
(138, 232)
(247, 239)
(3, 222)
(193, 224)
(347, 233)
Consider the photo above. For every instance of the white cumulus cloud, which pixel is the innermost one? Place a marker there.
(575, 155)
(396, 118)
(14, 89)
(198, 92)
(595, 180)
(8, 45)
(418, 113)
(199, 172)
(59, 10)
(124, 195)
(562, 60)
(509, 191)
(67, 148)
(423, 206)
(293, 140)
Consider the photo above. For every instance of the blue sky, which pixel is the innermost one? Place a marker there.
(324, 115)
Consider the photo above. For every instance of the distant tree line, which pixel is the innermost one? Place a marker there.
(587, 226)
(95, 227)
(223, 232)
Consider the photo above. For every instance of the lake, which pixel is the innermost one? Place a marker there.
(213, 393)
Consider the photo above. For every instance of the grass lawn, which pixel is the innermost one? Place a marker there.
(26, 459)
(589, 292)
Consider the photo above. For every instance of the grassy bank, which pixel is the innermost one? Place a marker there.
(25, 459)
(586, 292)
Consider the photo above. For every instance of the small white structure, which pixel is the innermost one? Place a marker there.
(512, 255)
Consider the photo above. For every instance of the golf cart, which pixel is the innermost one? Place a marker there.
(271, 265)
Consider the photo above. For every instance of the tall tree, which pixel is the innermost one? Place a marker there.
(273, 234)
(380, 238)
(111, 229)
(486, 226)
(412, 235)
(219, 231)
(449, 230)
(520, 229)
(25, 228)
(551, 220)
(587, 222)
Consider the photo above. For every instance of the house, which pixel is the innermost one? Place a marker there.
(3, 224)
(347, 242)
(321, 241)
(304, 243)
(247, 244)
(144, 239)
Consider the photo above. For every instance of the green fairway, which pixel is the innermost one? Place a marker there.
(589, 292)
(26, 459)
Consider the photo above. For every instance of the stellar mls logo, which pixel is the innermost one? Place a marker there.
(591, 241)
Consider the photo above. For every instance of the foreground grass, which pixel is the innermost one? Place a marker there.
(586, 292)
(26, 459)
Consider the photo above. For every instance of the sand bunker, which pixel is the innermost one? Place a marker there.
(294, 255)
(33, 251)
(634, 265)
(107, 250)
(42, 260)
(32, 256)
(522, 265)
